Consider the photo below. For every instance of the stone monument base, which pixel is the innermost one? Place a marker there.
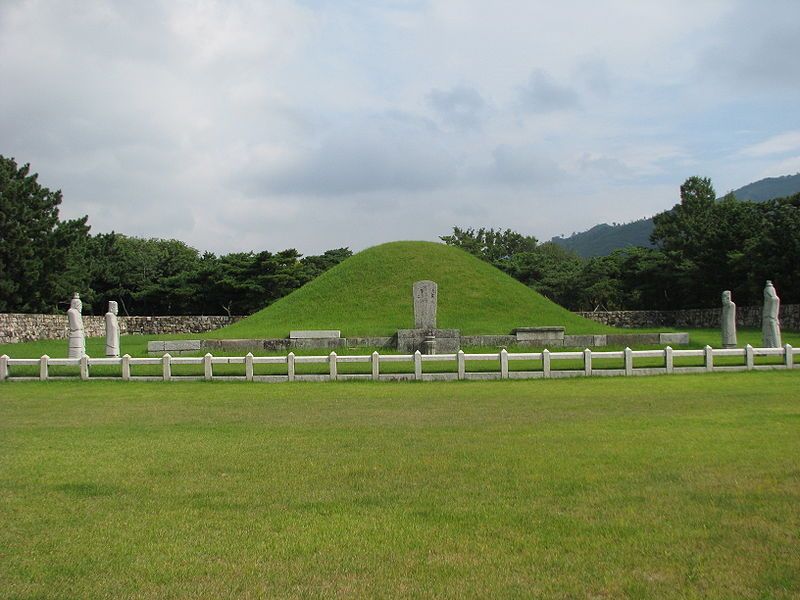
(447, 341)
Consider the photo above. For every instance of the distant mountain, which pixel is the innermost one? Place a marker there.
(603, 239)
(769, 188)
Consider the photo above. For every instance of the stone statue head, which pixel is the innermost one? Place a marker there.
(76, 302)
(726, 296)
(769, 289)
(112, 307)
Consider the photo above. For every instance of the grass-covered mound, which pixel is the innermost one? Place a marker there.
(370, 294)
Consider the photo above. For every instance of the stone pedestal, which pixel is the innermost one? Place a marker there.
(442, 341)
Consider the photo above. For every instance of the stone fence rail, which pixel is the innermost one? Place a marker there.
(17, 327)
(546, 365)
(706, 318)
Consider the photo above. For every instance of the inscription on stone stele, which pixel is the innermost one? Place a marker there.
(425, 297)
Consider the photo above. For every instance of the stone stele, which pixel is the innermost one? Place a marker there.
(426, 294)
(770, 327)
(112, 330)
(77, 337)
(728, 323)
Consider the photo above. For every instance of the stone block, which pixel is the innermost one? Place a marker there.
(371, 342)
(539, 343)
(539, 334)
(240, 344)
(491, 341)
(314, 334)
(155, 346)
(185, 345)
(578, 341)
(277, 344)
(631, 339)
(673, 339)
(411, 340)
(600, 340)
(327, 343)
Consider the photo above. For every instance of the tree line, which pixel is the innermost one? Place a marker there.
(702, 247)
(44, 259)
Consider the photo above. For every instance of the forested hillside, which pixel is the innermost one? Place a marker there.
(603, 239)
(702, 247)
(43, 260)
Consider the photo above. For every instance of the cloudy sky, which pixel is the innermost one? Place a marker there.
(324, 123)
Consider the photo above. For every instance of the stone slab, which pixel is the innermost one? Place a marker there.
(525, 375)
(174, 346)
(234, 344)
(579, 341)
(493, 341)
(527, 334)
(677, 339)
(440, 377)
(275, 344)
(481, 376)
(426, 295)
(539, 343)
(327, 343)
(541, 329)
(314, 334)
(397, 377)
(630, 339)
(169, 346)
(172, 353)
(371, 342)
(608, 372)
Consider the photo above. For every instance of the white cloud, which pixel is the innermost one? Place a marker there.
(777, 144)
(242, 124)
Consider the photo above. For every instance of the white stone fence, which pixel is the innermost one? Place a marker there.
(454, 363)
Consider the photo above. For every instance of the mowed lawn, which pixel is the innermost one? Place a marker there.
(673, 487)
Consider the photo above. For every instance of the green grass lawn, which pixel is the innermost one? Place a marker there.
(673, 487)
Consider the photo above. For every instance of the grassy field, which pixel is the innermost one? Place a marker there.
(664, 487)
(370, 294)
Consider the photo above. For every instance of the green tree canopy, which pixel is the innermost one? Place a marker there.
(35, 245)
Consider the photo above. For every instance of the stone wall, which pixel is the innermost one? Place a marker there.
(17, 327)
(746, 316)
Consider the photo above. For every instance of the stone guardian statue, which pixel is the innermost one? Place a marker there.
(728, 321)
(112, 330)
(770, 326)
(77, 336)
